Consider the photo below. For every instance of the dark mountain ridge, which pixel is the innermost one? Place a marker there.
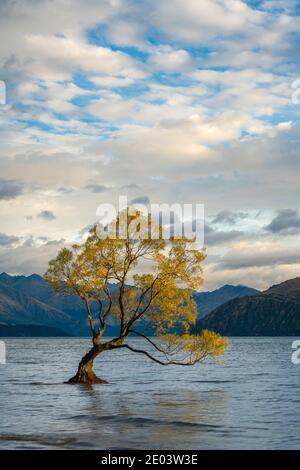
(18, 307)
(30, 331)
(208, 301)
(31, 300)
(274, 312)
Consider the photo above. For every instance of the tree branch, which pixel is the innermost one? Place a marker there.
(158, 361)
(147, 339)
(91, 320)
(110, 303)
(100, 313)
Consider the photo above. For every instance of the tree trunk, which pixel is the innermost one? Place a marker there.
(85, 373)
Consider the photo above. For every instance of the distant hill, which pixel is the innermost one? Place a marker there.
(230, 310)
(30, 331)
(208, 301)
(274, 312)
(31, 300)
(18, 307)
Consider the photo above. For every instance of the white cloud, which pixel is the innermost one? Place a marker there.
(58, 58)
(194, 21)
(168, 60)
(111, 81)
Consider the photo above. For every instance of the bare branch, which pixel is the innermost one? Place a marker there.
(100, 313)
(158, 361)
(91, 320)
(148, 339)
(106, 290)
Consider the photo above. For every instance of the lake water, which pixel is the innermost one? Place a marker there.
(251, 401)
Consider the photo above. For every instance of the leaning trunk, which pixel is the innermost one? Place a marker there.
(85, 373)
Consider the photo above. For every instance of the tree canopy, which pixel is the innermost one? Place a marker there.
(142, 284)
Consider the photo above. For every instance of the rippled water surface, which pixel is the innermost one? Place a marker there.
(252, 400)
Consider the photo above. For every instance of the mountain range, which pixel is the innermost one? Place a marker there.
(274, 312)
(30, 300)
(30, 307)
(208, 301)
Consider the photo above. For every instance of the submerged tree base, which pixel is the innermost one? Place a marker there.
(87, 379)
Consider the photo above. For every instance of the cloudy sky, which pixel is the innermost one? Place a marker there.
(182, 101)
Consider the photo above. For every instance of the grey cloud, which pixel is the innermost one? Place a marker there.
(10, 189)
(141, 200)
(287, 221)
(97, 188)
(46, 215)
(65, 190)
(217, 237)
(32, 242)
(29, 242)
(55, 242)
(129, 186)
(229, 217)
(8, 240)
(43, 239)
(28, 258)
(240, 260)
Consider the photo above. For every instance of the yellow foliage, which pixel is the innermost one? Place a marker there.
(159, 301)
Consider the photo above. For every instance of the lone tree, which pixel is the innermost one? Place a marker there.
(154, 304)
